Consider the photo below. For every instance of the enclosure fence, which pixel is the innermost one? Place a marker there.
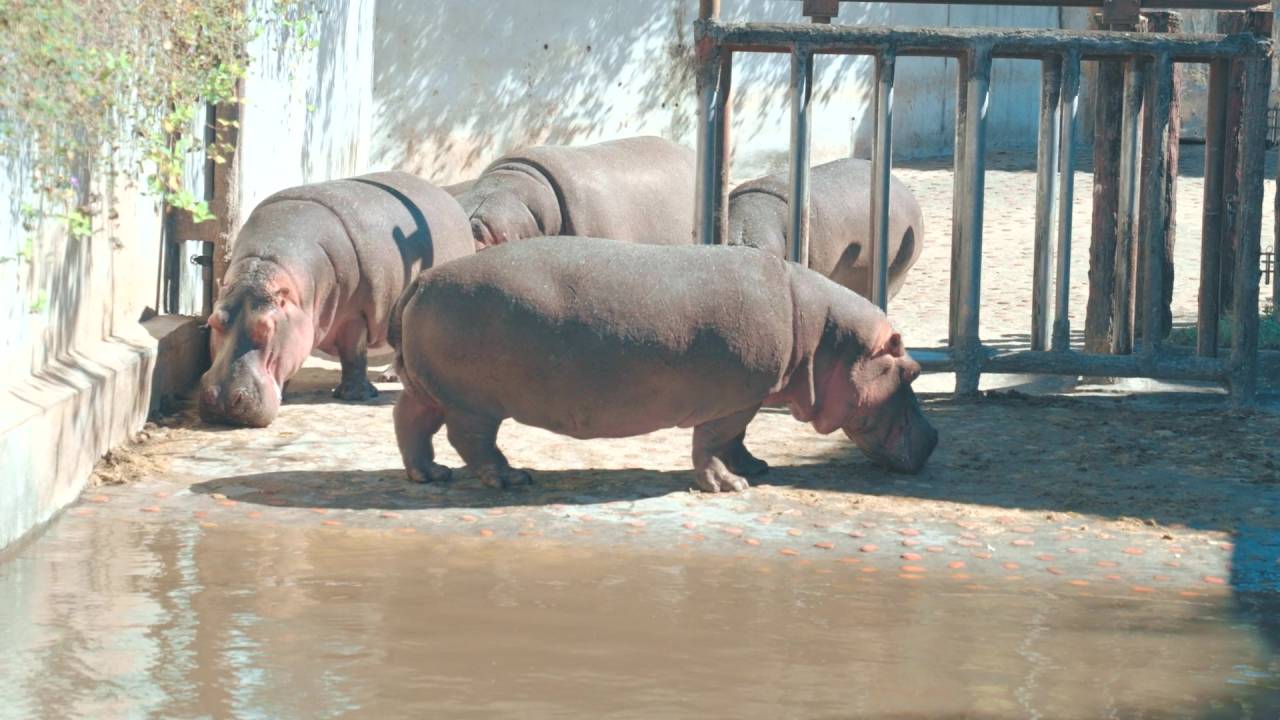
(1236, 137)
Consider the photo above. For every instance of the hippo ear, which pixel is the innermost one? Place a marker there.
(218, 320)
(893, 346)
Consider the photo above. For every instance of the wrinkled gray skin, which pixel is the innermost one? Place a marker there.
(599, 338)
(319, 267)
(638, 189)
(839, 227)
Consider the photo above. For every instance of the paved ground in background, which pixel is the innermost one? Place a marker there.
(1008, 246)
(1163, 494)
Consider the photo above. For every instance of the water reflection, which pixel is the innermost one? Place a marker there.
(108, 618)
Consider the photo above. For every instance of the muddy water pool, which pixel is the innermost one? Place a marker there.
(106, 618)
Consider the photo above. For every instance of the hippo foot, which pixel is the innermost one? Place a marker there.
(717, 478)
(434, 473)
(744, 463)
(355, 390)
(389, 375)
(502, 479)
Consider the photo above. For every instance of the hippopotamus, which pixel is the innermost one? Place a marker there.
(600, 338)
(839, 225)
(639, 189)
(319, 267)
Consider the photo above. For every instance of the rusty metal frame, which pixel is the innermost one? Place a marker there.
(1149, 59)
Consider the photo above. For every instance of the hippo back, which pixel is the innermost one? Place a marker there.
(638, 189)
(839, 222)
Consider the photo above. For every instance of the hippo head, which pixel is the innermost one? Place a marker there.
(869, 397)
(259, 336)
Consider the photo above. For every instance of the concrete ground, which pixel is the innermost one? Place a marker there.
(1092, 493)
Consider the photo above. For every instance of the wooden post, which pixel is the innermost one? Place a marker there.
(225, 204)
(1164, 21)
(1230, 22)
(1108, 103)
(1252, 142)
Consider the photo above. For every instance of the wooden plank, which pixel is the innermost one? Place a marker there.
(954, 42)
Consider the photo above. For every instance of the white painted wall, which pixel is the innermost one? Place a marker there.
(456, 83)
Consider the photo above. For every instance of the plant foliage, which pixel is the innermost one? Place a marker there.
(86, 83)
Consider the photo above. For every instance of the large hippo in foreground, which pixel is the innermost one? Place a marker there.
(599, 338)
(319, 267)
(638, 189)
(839, 225)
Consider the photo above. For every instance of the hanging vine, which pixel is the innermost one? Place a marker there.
(87, 84)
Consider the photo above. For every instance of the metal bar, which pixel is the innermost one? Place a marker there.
(1001, 42)
(968, 348)
(1146, 4)
(881, 163)
(1154, 201)
(1126, 266)
(1248, 229)
(1070, 102)
(708, 77)
(1211, 236)
(798, 200)
(1046, 189)
(1071, 362)
(958, 198)
(1186, 367)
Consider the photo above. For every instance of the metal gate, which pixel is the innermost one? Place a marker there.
(1239, 79)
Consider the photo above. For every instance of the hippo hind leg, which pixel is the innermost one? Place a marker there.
(475, 438)
(741, 461)
(353, 352)
(417, 418)
(719, 454)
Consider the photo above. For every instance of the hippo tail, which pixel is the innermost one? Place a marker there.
(395, 323)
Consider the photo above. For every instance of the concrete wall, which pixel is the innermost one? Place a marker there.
(77, 364)
(74, 360)
(456, 82)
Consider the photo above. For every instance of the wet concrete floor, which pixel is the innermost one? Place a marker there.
(1059, 558)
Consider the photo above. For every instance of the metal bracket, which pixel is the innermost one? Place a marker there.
(821, 11)
(1121, 12)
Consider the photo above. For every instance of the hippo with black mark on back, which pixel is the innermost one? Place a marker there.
(599, 338)
(319, 267)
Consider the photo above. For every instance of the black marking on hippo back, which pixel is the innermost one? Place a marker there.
(421, 233)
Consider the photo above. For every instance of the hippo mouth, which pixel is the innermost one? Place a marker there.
(901, 440)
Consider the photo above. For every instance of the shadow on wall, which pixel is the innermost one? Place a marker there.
(334, 132)
(456, 84)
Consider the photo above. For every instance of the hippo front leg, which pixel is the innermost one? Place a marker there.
(417, 418)
(353, 353)
(720, 458)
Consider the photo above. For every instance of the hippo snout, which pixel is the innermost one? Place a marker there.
(905, 438)
(244, 405)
